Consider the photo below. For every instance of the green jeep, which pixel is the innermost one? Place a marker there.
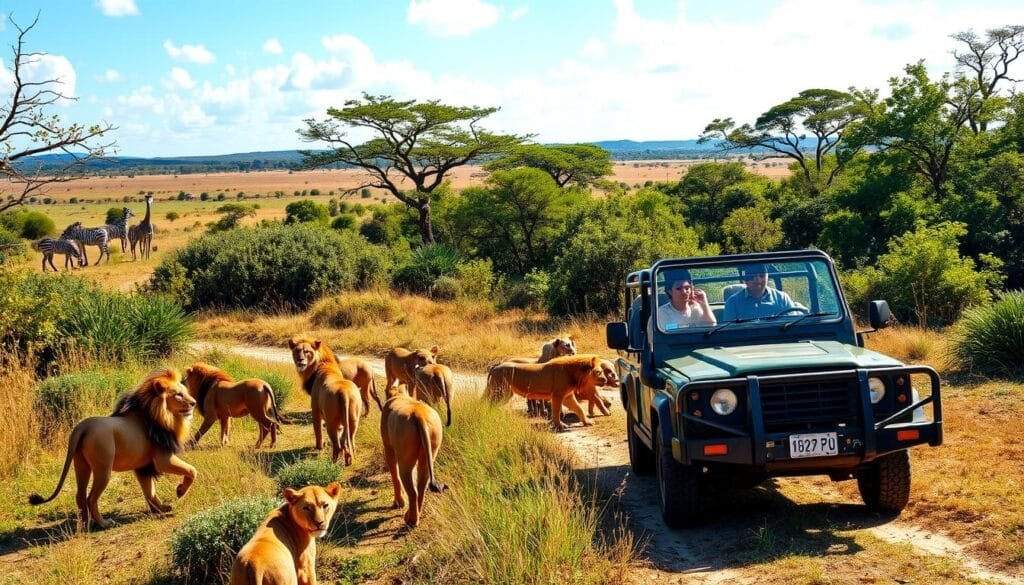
(777, 383)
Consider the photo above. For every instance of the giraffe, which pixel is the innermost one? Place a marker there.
(142, 233)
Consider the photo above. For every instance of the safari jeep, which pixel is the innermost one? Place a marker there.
(765, 392)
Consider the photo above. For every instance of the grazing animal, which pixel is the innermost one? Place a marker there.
(142, 233)
(221, 398)
(411, 432)
(400, 365)
(557, 380)
(283, 549)
(359, 371)
(143, 435)
(334, 399)
(51, 246)
(97, 236)
(119, 229)
(434, 382)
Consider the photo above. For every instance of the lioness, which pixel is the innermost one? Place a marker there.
(334, 399)
(611, 380)
(411, 432)
(434, 382)
(359, 371)
(400, 365)
(221, 398)
(143, 434)
(557, 347)
(283, 549)
(557, 380)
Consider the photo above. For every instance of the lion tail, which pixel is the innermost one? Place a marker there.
(373, 387)
(73, 442)
(428, 452)
(447, 392)
(273, 405)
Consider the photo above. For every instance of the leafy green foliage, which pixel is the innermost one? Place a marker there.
(566, 164)
(424, 267)
(750, 230)
(232, 213)
(204, 546)
(30, 225)
(345, 221)
(271, 266)
(66, 399)
(308, 472)
(11, 246)
(306, 210)
(990, 340)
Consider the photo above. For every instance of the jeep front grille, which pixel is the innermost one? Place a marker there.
(808, 405)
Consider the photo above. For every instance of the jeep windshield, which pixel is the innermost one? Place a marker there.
(747, 294)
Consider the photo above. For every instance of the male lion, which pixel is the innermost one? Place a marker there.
(557, 380)
(221, 398)
(334, 399)
(400, 365)
(359, 371)
(143, 435)
(283, 549)
(434, 382)
(411, 432)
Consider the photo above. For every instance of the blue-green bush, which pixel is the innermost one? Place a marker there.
(308, 472)
(427, 264)
(990, 340)
(204, 546)
(64, 400)
(270, 267)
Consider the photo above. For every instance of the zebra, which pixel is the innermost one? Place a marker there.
(88, 237)
(119, 229)
(51, 246)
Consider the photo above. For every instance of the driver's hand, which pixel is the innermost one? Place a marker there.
(699, 296)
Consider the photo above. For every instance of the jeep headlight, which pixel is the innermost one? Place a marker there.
(724, 401)
(877, 389)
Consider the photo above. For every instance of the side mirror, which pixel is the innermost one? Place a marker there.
(878, 314)
(617, 335)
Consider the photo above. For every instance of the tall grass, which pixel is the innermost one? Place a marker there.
(61, 401)
(990, 340)
(912, 345)
(19, 426)
(355, 310)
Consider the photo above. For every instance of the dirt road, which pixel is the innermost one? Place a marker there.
(782, 519)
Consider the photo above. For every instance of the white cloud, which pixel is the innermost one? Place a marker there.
(178, 79)
(452, 18)
(54, 70)
(189, 53)
(273, 47)
(518, 13)
(118, 7)
(230, 70)
(594, 48)
(109, 76)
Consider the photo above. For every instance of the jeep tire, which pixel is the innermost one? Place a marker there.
(641, 457)
(678, 487)
(885, 483)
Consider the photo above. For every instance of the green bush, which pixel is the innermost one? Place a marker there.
(475, 278)
(446, 288)
(11, 245)
(345, 221)
(528, 293)
(424, 267)
(114, 214)
(64, 400)
(306, 210)
(270, 267)
(204, 546)
(37, 225)
(308, 472)
(990, 340)
(355, 310)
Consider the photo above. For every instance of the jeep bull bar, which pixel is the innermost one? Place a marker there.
(752, 444)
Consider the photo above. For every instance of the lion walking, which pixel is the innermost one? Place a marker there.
(411, 432)
(335, 400)
(220, 398)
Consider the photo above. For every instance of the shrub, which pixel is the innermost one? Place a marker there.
(990, 340)
(64, 400)
(204, 546)
(11, 245)
(446, 288)
(426, 265)
(270, 266)
(37, 225)
(306, 210)
(475, 278)
(113, 214)
(172, 215)
(308, 472)
(528, 293)
(355, 310)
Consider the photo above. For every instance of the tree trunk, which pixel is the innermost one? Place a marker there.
(426, 226)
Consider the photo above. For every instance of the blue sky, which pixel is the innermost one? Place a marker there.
(221, 76)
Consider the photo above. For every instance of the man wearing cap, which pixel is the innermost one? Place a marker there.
(757, 300)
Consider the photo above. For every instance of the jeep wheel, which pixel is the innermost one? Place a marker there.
(641, 457)
(885, 484)
(678, 487)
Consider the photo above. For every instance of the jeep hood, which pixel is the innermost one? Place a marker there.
(729, 362)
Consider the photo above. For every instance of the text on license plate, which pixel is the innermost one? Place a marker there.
(813, 445)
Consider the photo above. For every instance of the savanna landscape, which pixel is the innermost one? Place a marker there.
(474, 248)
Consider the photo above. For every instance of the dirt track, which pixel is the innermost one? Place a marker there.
(745, 525)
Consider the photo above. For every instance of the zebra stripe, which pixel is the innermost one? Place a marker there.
(98, 236)
(119, 229)
(50, 246)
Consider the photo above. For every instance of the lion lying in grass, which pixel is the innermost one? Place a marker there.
(334, 399)
(558, 380)
(283, 549)
(143, 435)
(221, 398)
(411, 432)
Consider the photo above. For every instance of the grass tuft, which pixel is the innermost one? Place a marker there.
(990, 340)
(308, 472)
(355, 310)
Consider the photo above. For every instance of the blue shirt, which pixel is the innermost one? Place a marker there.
(742, 306)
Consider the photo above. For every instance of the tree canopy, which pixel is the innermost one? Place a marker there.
(568, 164)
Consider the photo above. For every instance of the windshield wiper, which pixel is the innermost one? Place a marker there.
(721, 326)
(802, 317)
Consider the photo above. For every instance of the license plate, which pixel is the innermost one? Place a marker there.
(813, 445)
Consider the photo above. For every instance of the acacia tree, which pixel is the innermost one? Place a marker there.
(579, 164)
(27, 129)
(415, 141)
(985, 62)
(824, 113)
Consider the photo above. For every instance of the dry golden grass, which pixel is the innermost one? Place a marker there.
(19, 426)
(911, 345)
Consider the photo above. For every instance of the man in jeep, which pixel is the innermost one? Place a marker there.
(757, 300)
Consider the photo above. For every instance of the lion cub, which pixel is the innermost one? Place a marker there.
(411, 432)
(283, 549)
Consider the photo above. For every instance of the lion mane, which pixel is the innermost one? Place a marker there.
(166, 432)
